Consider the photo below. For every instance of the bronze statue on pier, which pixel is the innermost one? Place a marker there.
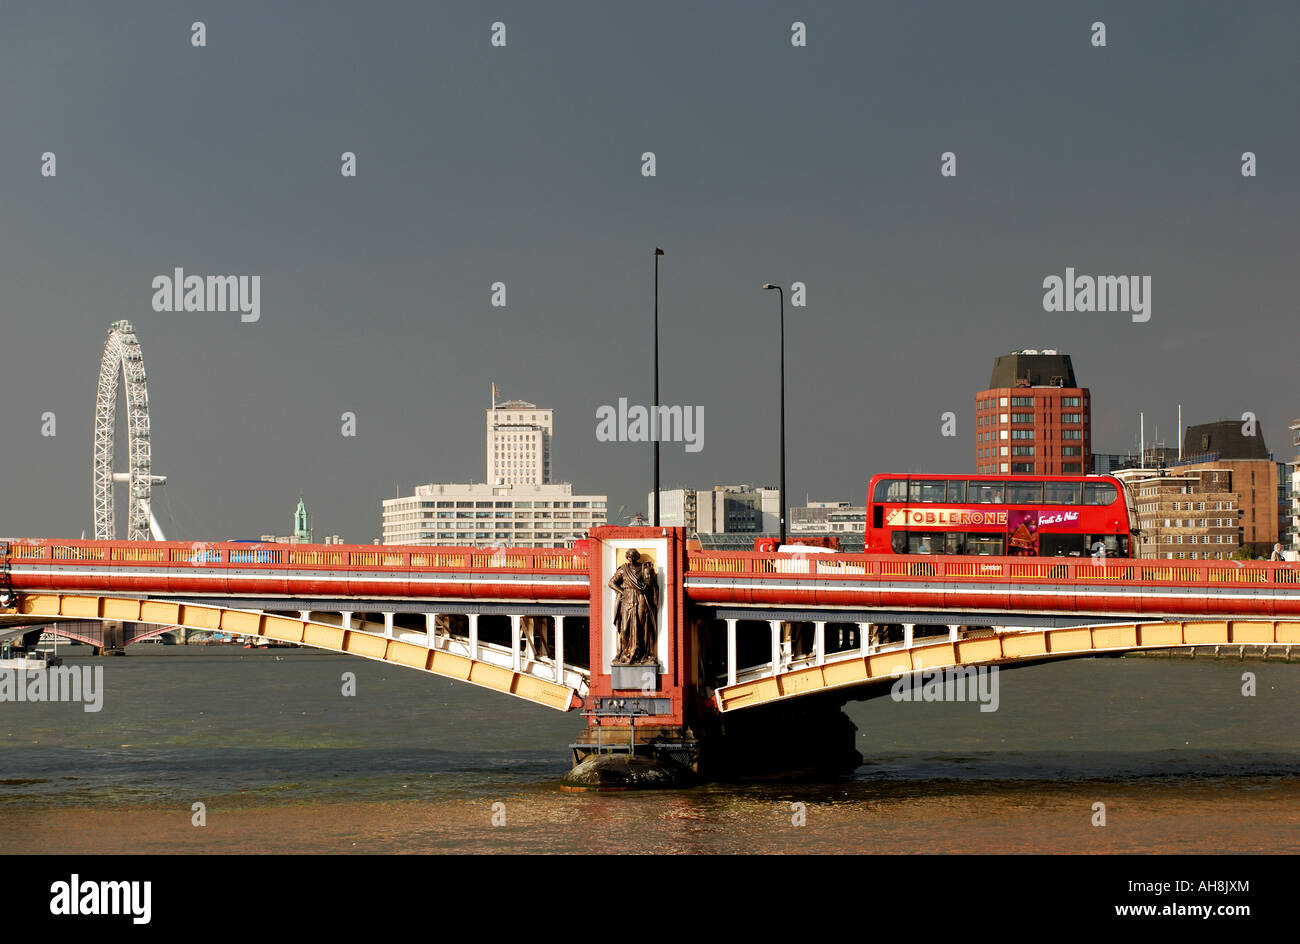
(636, 614)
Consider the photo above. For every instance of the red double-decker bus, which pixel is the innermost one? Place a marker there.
(1022, 515)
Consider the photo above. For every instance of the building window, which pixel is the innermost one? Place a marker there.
(1022, 401)
(1071, 434)
(1071, 417)
(1071, 401)
(1022, 417)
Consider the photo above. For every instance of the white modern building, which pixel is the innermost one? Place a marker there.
(518, 443)
(518, 505)
(833, 517)
(1295, 489)
(723, 509)
(485, 515)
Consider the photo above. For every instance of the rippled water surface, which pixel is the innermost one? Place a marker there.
(1180, 758)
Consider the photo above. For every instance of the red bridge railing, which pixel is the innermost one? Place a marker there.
(699, 563)
(296, 557)
(975, 569)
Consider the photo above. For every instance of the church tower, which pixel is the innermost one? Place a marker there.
(301, 523)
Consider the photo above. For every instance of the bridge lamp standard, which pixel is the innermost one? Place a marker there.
(655, 415)
(768, 286)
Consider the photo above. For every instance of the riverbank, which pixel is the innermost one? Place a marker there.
(1235, 815)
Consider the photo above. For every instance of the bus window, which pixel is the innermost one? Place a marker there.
(1024, 493)
(984, 493)
(1099, 493)
(898, 542)
(934, 542)
(1061, 493)
(1116, 544)
(957, 491)
(1062, 545)
(891, 490)
(986, 544)
(922, 491)
(919, 543)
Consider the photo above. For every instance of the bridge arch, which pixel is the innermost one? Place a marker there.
(305, 632)
(875, 666)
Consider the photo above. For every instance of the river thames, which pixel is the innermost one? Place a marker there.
(282, 761)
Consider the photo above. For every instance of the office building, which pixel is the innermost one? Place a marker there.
(1224, 471)
(1285, 532)
(518, 506)
(1240, 449)
(1295, 488)
(835, 518)
(1184, 514)
(484, 515)
(1105, 463)
(729, 509)
(518, 443)
(1153, 457)
(1034, 418)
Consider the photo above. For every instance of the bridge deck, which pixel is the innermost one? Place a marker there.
(785, 677)
(1162, 603)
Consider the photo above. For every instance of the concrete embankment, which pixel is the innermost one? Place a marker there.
(1223, 653)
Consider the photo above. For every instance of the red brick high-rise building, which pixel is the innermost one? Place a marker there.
(1033, 419)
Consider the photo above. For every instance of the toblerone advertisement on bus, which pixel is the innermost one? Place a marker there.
(917, 517)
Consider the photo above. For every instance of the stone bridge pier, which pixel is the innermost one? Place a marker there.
(652, 720)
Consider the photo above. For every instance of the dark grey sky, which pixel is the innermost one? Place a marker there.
(522, 164)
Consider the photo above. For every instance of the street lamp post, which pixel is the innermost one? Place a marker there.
(654, 417)
(781, 510)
